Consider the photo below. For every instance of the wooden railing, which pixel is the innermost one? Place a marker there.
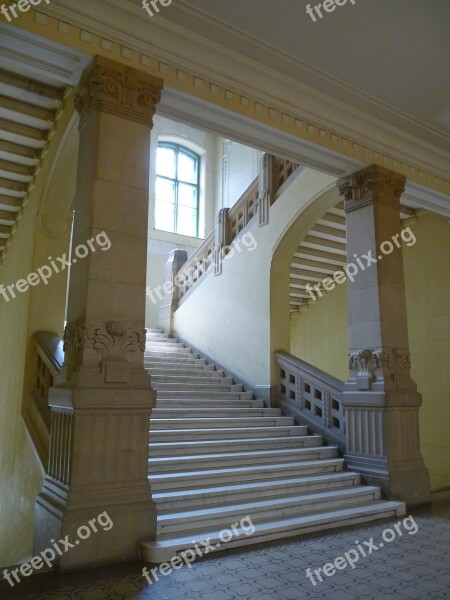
(313, 396)
(257, 198)
(48, 357)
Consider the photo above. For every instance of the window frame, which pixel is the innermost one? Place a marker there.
(179, 148)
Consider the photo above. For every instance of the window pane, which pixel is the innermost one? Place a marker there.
(187, 168)
(165, 190)
(165, 205)
(166, 162)
(187, 221)
(187, 195)
(165, 216)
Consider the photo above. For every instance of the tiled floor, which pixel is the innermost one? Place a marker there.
(411, 567)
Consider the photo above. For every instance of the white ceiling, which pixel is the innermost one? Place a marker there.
(389, 58)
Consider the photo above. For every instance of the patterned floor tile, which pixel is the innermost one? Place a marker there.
(411, 567)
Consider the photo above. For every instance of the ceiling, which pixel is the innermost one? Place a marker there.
(388, 58)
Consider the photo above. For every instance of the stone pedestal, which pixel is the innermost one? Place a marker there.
(102, 402)
(380, 398)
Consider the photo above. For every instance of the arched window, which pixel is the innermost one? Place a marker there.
(177, 189)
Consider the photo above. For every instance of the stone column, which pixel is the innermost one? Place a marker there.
(380, 398)
(102, 402)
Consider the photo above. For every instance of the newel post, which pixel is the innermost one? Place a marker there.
(171, 298)
(267, 185)
(222, 239)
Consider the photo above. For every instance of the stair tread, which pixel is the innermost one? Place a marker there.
(246, 507)
(287, 524)
(233, 441)
(226, 429)
(267, 453)
(251, 485)
(253, 468)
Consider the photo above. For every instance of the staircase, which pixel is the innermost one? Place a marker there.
(217, 455)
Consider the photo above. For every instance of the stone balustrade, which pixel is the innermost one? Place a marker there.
(312, 395)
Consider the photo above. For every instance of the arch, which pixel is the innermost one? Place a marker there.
(283, 252)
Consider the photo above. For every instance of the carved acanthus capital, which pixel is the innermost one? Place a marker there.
(113, 340)
(121, 90)
(372, 184)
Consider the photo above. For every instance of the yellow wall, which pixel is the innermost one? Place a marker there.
(319, 336)
(42, 231)
(427, 278)
(319, 333)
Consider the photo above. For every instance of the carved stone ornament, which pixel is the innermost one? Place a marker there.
(373, 184)
(113, 340)
(396, 364)
(120, 90)
(364, 362)
(74, 340)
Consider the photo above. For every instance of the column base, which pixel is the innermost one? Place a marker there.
(121, 525)
(409, 483)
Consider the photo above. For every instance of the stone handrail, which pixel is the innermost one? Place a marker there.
(48, 357)
(256, 200)
(197, 265)
(312, 395)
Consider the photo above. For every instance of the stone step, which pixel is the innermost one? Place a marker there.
(175, 361)
(164, 548)
(212, 413)
(229, 447)
(168, 352)
(182, 522)
(157, 335)
(200, 372)
(193, 403)
(212, 387)
(216, 460)
(214, 477)
(186, 435)
(204, 395)
(202, 377)
(157, 424)
(162, 345)
(171, 500)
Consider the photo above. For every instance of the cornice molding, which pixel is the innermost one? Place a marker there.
(209, 72)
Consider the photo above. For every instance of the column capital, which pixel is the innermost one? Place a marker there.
(373, 184)
(117, 89)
